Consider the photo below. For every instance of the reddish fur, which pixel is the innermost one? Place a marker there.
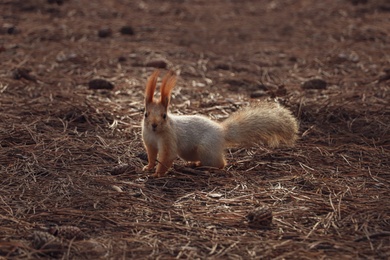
(169, 81)
(151, 87)
(165, 162)
(201, 140)
(152, 156)
(152, 106)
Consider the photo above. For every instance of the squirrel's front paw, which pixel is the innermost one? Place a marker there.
(148, 167)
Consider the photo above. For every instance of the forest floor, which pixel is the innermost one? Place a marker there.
(71, 153)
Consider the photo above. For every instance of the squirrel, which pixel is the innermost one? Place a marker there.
(198, 139)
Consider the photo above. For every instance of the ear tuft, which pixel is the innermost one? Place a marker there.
(168, 83)
(151, 87)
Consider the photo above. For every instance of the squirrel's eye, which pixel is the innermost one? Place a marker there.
(164, 116)
(146, 114)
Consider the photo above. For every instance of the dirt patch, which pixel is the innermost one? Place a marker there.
(71, 154)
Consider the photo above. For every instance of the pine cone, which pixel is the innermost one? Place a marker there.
(89, 249)
(44, 240)
(261, 217)
(67, 232)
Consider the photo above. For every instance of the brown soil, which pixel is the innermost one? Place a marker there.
(71, 152)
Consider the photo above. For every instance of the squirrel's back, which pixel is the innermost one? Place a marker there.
(196, 134)
(267, 123)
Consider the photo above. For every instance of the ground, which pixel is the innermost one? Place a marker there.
(71, 153)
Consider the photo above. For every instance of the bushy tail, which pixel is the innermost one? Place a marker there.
(267, 123)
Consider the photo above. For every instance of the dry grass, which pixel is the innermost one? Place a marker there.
(72, 157)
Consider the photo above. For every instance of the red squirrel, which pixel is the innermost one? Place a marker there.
(201, 140)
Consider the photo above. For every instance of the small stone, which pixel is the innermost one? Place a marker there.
(116, 188)
(314, 84)
(385, 76)
(293, 59)
(215, 195)
(12, 30)
(122, 59)
(281, 91)
(23, 73)
(105, 32)
(8, 29)
(121, 169)
(222, 66)
(357, 2)
(127, 30)
(235, 82)
(161, 64)
(258, 94)
(58, 2)
(100, 84)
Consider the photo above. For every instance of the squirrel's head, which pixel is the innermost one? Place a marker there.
(156, 111)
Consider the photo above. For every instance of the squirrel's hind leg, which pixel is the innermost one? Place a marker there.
(212, 158)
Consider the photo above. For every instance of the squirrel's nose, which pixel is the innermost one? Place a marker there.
(154, 125)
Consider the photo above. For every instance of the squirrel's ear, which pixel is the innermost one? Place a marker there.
(151, 87)
(167, 85)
